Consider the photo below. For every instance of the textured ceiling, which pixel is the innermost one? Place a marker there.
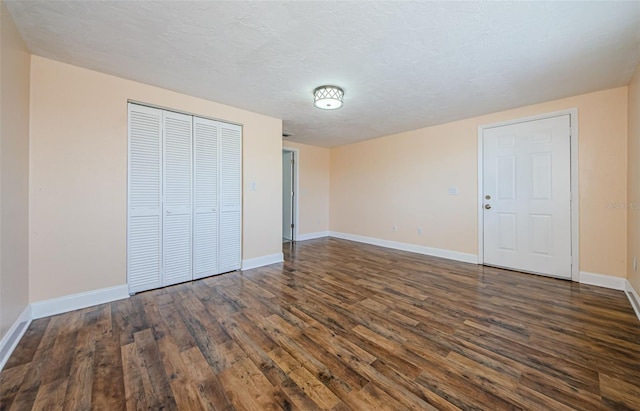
(403, 65)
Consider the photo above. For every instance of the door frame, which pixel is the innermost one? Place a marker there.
(575, 206)
(296, 190)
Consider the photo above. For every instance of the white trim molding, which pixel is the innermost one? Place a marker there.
(633, 297)
(256, 262)
(77, 301)
(602, 280)
(14, 335)
(434, 252)
(313, 236)
(575, 197)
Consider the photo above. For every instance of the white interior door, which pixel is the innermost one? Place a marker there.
(287, 195)
(527, 196)
(230, 249)
(205, 196)
(177, 214)
(144, 228)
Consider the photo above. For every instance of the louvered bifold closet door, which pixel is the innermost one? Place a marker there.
(230, 197)
(144, 225)
(178, 207)
(205, 197)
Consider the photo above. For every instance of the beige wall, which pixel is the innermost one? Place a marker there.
(14, 172)
(403, 179)
(79, 176)
(633, 184)
(313, 186)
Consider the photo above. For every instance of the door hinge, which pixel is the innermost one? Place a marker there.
(291, 225)
(293, 161)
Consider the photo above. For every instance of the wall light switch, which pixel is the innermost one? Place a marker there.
(453, 191)
(253, 186)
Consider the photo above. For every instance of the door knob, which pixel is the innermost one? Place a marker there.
(487, 206)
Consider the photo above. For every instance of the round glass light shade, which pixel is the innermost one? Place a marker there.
(328, 97)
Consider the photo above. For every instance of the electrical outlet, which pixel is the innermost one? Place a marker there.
(419, 230)
(394, 228)
(635, 263)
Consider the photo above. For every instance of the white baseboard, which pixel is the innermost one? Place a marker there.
(435, 252)
(602, 280)
(77, 301)
(13, 335)
(250, 263)
(633, 297)
(311, 236)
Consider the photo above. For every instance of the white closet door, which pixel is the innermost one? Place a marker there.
(144, 225)
(230, 197)
(177, 198)
(205, 195)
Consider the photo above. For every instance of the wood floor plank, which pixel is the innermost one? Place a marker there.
(51, 395)
(393, 388)
(10, 382)
(126, 319)
(247, 388)
(156, 382)
(29, 343)
(78, 395)
(295, 397)
(619, 393)
(256, 350)
(338, 326)
(25, 398)
(338, 376)
(340, 346)
(107, 391)
(209, 388)
(40, 363)
(289, 348)
(576, 375)
(177, 327)
(135, 398)
(183, 385)
(308, 383)
(371, 397)
(412, 385)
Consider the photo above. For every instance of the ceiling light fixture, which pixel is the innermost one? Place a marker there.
(328, 97)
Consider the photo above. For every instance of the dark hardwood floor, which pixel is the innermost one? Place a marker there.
(339, 325)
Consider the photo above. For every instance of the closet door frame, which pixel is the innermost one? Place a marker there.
(193, 202)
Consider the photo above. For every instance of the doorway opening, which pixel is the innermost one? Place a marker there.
(289, 195)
